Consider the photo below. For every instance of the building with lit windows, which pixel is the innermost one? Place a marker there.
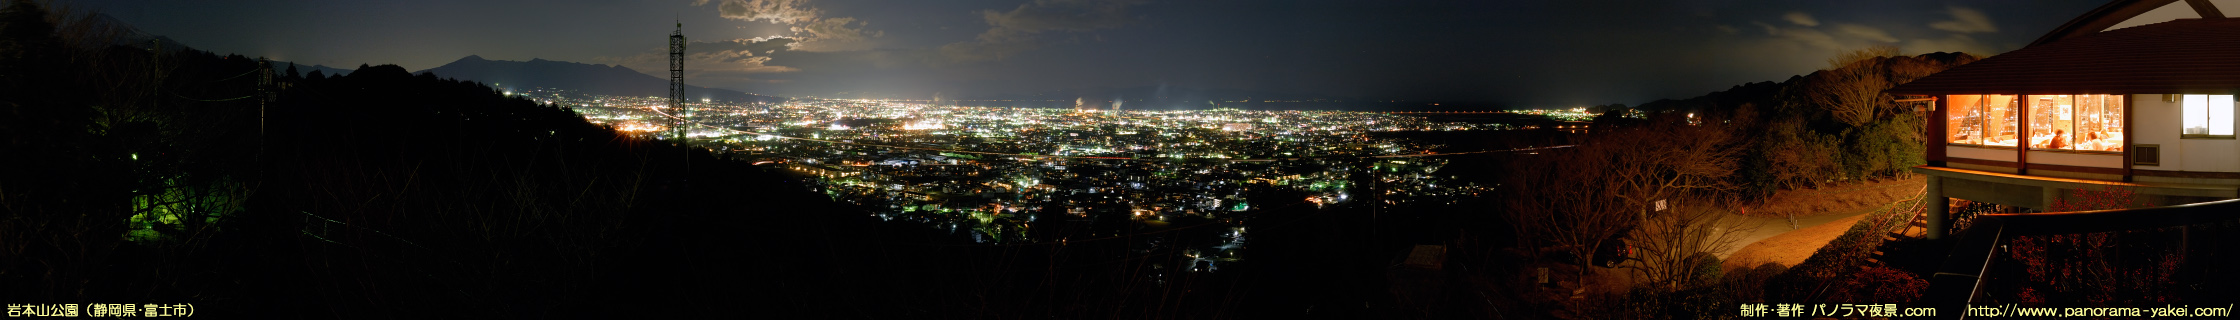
(2135, 94)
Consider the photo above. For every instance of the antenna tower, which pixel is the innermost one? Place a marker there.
(676, 81)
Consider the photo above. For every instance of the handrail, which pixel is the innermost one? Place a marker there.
(2030, 224)
(1957, 282)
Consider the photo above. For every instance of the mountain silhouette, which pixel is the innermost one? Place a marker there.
(587, 78)
(303, 69)
(125, 34)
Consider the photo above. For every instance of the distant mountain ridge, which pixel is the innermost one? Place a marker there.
(598, 79)
(130, 36)
(582, 77)
(305, 70)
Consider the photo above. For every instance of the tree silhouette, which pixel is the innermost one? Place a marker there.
(1851, 88)
(1675, 242)
(1611, 182)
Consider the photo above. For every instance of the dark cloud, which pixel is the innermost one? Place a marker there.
(835, 34)
(1018, 30)
(1068, 15)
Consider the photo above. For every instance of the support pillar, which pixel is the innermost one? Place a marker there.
(1937, 207)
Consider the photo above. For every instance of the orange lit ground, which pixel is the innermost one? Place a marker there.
(1840, 199)
(1791, 248)
(1823, 215)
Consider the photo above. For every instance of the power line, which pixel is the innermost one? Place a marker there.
(215, 100)
(243, 73)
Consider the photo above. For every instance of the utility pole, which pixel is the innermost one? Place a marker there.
(266, 92)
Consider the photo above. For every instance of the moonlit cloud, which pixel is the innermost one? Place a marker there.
(728, 59)
(1812, 37)
(812, 31)
(1965, 20)
(1800, 18)
(775, 11)
(1785, 41)
(1866, 32)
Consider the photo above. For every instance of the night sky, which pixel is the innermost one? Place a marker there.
(1514, 53)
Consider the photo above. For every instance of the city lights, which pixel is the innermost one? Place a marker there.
(992, 168)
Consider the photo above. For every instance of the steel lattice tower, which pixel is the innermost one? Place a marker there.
(676, 81)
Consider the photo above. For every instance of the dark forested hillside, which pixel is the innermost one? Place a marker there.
(1822, 128)
(457, 196)
(141, 176)
(186, 177)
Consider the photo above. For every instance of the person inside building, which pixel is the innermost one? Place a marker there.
(2060, 139)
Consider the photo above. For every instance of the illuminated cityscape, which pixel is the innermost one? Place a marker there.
(1118, 159)
(992, 173)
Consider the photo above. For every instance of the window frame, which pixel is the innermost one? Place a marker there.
(2031, 100)
(1976, 137)
(2020, 104)
(2121, 121)
(1984, 108)
(2185, 112)
(2077, 115)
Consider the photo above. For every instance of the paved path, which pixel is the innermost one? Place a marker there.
(1769, 227)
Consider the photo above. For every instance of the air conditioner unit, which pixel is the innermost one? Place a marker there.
(2146, 155)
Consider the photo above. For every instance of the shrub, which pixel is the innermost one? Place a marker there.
(1707, 268)
(1748, 284)
(1880, 284)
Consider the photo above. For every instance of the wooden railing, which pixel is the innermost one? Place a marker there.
(1960, 279)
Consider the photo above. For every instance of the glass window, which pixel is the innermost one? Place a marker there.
(2053, 122)
(2090, 122)
(2208, 115)
(2197, 117)
(1964, 119)
(2220, 115)
(2102, 128)
(1999, 120)
(2099, 123)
